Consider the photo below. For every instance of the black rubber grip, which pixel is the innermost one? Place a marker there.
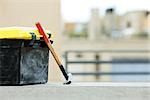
(64, 72)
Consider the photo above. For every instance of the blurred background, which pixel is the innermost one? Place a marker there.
(98, 40)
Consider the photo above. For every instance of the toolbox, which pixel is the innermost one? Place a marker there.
(24, 56)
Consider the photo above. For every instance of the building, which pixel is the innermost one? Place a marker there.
(75, 29)
(135, 22)
(148, 18)
(113, 25)
(94, 25)
(69, 28)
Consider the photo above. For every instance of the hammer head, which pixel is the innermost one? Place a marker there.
(69, 79)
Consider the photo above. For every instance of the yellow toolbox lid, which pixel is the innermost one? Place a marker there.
(20, 33)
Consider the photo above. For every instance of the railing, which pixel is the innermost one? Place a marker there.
(97, 61)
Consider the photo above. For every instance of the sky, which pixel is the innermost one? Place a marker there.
(79, 10)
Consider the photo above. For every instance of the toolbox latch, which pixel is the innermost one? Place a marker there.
(33, 39)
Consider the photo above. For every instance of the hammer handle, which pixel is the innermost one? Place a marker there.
(45, 37)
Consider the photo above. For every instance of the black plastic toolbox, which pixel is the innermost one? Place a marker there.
(23, 62)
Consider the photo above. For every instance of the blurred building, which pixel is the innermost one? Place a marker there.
(112, 25)
(135, 22)
(94, 25)
(75, 29)
(148, 18)
(69, 28)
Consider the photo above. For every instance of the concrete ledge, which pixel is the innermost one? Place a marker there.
(77, 91)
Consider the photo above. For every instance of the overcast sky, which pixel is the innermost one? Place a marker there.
(79, 10)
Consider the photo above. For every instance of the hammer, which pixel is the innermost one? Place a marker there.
(68, 77)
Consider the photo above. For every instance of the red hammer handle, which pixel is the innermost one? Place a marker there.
(45, 37)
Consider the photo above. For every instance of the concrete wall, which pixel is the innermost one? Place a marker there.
(27, 12)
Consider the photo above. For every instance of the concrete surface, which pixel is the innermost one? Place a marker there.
(77, 91)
